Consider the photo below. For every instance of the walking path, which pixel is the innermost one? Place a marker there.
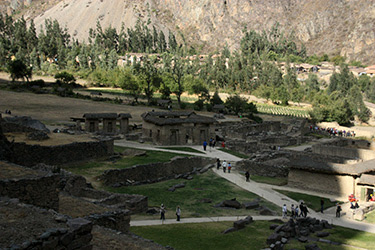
(263, 190)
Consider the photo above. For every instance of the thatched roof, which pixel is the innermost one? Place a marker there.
(124, 115)
(175, 117)
(367, 179)
(100, 116)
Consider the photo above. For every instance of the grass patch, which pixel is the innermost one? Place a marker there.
(208, 236)
(97, 167)
(240, 155)
(184, 149)
(370, 217)
(204, 186)
(278, 181)
(313, 202)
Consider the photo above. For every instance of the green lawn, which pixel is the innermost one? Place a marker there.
(370, 217)
(240, 155)
(97, 167)
(207, 185)
(184, 149)
(208, 236)
(278, 181)
(313, 202)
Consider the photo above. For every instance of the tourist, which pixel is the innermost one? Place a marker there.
(178, 213)
(204, 145)
(292, 210)
(338, 210)
(224, 166)
(210, 144)
(213, 143)
(247, 175)
(284, 211)
(296, 211)
(321, 205)
(162, 212)
(218, 164)
(229, 167)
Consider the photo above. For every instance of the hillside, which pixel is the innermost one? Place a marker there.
(334, 27)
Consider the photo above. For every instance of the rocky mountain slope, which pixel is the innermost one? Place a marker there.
(344, 27)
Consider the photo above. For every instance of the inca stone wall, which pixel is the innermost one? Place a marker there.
(261, 169)
(340, 185)
(348, 153)
(29, 155)
(155, 171)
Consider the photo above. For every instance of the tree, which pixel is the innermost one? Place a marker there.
(177, 73)
(239, 104)
(129, 82)
(18, 69)
(150, 78)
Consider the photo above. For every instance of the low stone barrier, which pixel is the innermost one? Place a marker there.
(155, 172)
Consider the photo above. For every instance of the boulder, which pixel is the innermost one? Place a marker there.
(273, 238)
(232, 203)
(266, 211)
(273, 226)
(240, 224)
(322, 234)
(249, 219)
(251, 204)
(302, 239)
(37, 136)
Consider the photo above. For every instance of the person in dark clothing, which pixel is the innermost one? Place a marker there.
(247, 175)
(338, 211)
(321, 205)
(162, 212)
(218, 164)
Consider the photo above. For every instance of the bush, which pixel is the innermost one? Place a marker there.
(38, 82)
(198, 105)
(183, 105)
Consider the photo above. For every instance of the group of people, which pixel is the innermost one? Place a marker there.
(211, 143)
(163, 211)
(296, 211)
(226, 165)
(333, 131)
(8, 112)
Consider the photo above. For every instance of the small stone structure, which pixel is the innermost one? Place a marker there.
(177, 128)
(108, 121)
(155, 172)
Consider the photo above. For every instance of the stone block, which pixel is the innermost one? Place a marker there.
(312, 247)
(229, 230)
(240, 224)
(302, 239)
(251, 205)
(322, 234)
(273, 238)
(232, 203)
(266, 211)
(80, 225)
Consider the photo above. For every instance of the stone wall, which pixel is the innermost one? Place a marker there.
(262, 169)
(29, 155)
(340, 185)
(117, 220)
(155, 172)
(39, 190)
(344, 152)
(76, 185)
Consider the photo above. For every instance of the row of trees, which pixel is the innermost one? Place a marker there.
(251, 69)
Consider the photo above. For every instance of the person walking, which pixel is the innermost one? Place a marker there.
(338, 210)
(178, 213)
(224, 166)
(218, 164)
(296, 211)
(321, 205)
(284, 211)
(247, 175)
(204, 145)
(162, 212)
(229, 167)
(292, 210)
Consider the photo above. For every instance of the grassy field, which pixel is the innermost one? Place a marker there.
(370, 217)
(208, 236)
(204, 186)
(311, 201)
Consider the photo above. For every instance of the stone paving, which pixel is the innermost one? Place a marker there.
(263, 190)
